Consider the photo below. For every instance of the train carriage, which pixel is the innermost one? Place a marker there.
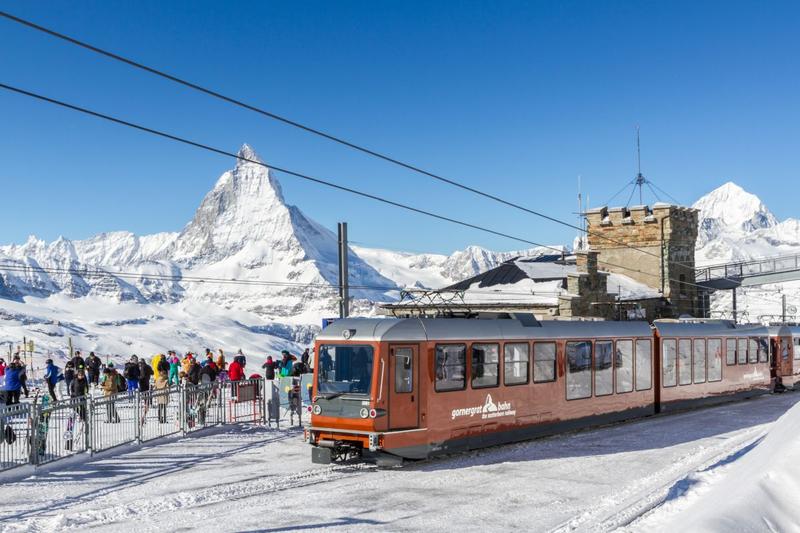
(786, 349)
(709, 362)
(417, 387)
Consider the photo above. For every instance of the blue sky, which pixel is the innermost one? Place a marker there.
(517, 98)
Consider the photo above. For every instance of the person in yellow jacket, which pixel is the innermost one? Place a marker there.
(155, 361)
(186, 363)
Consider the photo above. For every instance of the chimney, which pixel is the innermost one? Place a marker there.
(586, 261)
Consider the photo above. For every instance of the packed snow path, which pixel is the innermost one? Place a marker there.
(243, 479)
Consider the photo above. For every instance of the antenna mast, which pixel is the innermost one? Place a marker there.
(640, 180)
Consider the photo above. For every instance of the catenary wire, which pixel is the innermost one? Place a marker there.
(314, 131)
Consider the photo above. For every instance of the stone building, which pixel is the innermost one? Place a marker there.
(653, 245)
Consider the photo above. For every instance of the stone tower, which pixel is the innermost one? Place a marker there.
(666, 236)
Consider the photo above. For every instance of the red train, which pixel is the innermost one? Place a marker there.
(393, 389)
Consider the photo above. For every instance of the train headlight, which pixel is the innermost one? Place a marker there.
(364, 412)
(373, 413)
(316, 409)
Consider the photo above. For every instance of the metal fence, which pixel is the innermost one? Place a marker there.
(43, 432)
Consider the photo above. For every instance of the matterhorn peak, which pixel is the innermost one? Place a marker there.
(247, 155)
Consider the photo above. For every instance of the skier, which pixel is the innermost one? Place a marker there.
(193, 375)
(52, 375)
(110, 384)
(154, 362)
(131, 373)
(186, 363)
(162, 398)
(208, 373)
(69, 373)
(145, 372)
(79, 388)
(174, 369)
(236, 370)
(77, 361)
(305, 358)
(269, 367)
(221, 364)
(286, 363)
(2, 367)
(13, 384)
(93, 364)
(23, 375)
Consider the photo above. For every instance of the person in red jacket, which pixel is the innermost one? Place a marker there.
(235, 371)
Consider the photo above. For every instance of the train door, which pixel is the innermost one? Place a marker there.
(403, 387)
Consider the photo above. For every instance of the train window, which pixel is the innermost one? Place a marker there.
(669, 362)
(763, 350)
(579, 370)
(741, 352)
(603, 378)
(485, 365)
(403, 370)
(644, 369)
(515, 368)
(699, 360)
(714, 359)
(684, 362)
(797, 349)
(730, 351)
(623, 363)
(544, 362)
(451, 367)
(752, 350)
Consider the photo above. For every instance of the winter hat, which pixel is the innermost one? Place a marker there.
(110, 364)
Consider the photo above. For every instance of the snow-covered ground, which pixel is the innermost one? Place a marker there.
(246, 479)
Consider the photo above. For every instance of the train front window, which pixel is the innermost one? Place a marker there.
(344, 369)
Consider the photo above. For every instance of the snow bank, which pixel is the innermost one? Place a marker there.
(755, 489)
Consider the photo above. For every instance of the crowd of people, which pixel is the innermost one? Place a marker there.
(81, 375)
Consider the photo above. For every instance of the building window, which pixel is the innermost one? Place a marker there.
(603, 378)
(715, 359)
(644, 367)
(544, 362)
(730, 351)
(685, 362)
(669, 362)
(451, 367)
(403, 370)
(741, 352)
(579, 370)
(623, 361)
(485, 365)
(515, 366)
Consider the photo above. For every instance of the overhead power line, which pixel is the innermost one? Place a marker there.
(312, 130)
(313, 179)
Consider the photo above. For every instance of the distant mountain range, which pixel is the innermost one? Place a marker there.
(121, 292)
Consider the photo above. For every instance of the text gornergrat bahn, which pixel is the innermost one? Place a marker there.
(412, 388)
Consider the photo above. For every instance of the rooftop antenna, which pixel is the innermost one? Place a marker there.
(640, 179)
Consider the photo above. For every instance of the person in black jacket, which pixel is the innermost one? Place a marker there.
(77, 361)
(79, 388)
(194, 372)
(131, 373)
(145, 373)
(269, 366)
(93, 364)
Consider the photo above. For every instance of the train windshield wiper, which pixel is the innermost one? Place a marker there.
(331, 396)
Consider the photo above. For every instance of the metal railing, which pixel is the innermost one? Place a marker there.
(43, 432)
(741, 269)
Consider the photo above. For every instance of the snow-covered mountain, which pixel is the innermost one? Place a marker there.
(242, 230)
(736, 225)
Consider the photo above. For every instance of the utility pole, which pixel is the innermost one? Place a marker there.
(734, 305)
(344, 292)
(783, 308)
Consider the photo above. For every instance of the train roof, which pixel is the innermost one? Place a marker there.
(449, 329)
(713, 328)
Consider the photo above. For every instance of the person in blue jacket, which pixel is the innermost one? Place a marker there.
(13, 383)
(52, 374)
